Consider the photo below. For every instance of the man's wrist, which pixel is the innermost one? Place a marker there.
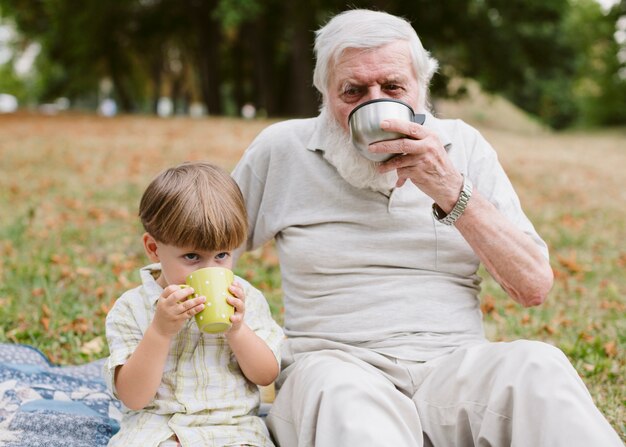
(459, 206)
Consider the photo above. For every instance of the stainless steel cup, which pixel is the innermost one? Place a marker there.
(365, 119)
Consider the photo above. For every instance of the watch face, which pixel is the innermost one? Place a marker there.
(438, 212)
(459, 207)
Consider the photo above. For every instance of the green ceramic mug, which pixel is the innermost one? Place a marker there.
(213, 283)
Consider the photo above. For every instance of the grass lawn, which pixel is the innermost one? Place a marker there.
(69, 235)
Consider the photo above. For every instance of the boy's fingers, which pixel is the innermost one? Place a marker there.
(193, 306)
(237, 303)
(194, 310)
(177, 294)
(237, 290)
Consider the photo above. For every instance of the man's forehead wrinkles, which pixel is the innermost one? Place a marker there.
(354, 82)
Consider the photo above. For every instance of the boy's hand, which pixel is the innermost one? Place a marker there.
(174, 308)
(238, 302)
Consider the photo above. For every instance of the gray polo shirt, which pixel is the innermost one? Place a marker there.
(362, 268)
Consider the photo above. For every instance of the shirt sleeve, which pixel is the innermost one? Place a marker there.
(259, 318)
(489, 177)
(123, 335)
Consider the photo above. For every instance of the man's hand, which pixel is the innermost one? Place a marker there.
(174, 308)
(510, 255)
(425, 162)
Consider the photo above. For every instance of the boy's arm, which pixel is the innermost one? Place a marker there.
(255, 358)
(138, 380)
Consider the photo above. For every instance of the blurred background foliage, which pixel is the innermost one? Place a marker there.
(563, 61)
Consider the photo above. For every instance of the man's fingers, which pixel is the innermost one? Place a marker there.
(412, 130)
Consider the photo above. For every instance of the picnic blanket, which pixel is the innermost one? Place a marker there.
(42, 405)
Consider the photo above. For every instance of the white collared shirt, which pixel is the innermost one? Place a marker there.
(203, 398)
(362, 268)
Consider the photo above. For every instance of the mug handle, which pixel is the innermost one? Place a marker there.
(183, 286)
(419, 118)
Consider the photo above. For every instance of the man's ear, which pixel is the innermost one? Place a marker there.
(150, 246)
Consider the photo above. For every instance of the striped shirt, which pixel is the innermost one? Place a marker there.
(204, 398)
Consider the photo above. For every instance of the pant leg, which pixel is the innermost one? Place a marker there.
(331, 398)
(522, 393)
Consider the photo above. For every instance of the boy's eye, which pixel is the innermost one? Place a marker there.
(191, 256)
(221, 256)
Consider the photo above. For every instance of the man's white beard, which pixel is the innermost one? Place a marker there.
(352, 167)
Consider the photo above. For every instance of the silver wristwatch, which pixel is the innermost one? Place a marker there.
(459, 207)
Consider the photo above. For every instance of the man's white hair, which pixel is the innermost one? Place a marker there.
(365, 29)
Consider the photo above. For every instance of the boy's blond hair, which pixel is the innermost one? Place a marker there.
(196, 205)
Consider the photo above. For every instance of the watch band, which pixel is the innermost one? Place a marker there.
(459, 206)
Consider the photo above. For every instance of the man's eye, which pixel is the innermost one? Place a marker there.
(191, 256)
(351, 91)
(392, 87)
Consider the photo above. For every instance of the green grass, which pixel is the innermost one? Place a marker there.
(69, 236)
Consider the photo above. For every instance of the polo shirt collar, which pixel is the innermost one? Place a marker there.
(316, 141)
(153, 289)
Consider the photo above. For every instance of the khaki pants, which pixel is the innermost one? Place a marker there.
(522, 393)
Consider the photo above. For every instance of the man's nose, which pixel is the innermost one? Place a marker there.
(374, 92)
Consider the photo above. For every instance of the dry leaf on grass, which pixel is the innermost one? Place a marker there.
(610, 348)
(94, 346)
(571, 263)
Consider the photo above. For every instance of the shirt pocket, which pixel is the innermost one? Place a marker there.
(452, 252)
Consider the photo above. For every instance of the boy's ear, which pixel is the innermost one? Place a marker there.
(150, 246)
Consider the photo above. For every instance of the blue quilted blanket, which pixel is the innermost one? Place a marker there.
(49, 406)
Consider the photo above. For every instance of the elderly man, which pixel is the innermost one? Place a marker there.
(385, 342)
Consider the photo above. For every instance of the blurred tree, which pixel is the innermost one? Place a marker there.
(226, 53)
(600, 79)
(11, 84)
(513, 47)
(80, 45)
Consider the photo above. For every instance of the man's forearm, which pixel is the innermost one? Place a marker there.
(510, 255)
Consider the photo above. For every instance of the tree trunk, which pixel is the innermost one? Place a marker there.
(207, 45)
(261, 38)
(156, 70)
(125, 100)
(303, 96)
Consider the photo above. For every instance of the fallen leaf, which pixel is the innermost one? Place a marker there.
(571, 263)
(45, 322)
(488, 304)
(585, 336)
(60, 259)
(589, 367)
(610, 348)
(94, 346)
(84, 271)
(96, 213)
(569, 221)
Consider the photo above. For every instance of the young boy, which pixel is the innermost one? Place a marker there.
(181, 386)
